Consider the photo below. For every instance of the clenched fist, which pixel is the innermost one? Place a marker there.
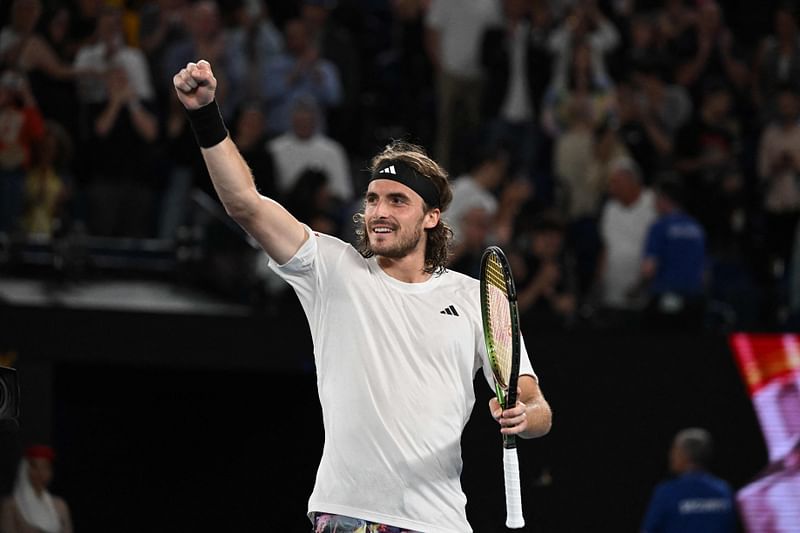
(195, 85)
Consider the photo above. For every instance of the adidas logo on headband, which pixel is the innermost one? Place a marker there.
(400, 172)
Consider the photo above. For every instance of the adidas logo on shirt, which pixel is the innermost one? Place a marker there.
(449, 311)
(388, 170)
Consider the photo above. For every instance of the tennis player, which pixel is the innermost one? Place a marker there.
(397, 338)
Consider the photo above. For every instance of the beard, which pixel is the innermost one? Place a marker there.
(406, 241)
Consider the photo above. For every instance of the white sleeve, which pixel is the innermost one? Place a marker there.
(301, 271)
(525, 366)
(310, 270)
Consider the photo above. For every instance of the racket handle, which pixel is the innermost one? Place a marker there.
(514, 518)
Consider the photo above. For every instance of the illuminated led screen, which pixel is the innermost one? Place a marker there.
(770, 367)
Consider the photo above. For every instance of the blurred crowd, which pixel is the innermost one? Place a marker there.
(638, 160)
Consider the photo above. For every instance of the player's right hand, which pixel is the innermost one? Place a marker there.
(195, 85)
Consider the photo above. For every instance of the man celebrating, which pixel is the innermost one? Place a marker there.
(394, 371)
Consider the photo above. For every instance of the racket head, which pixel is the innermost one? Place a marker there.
(500, 323)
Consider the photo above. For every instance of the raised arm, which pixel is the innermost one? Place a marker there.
(275, 229)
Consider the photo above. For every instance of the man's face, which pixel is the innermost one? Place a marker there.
(474, 228)
(395, 219)
(618, 182)
(296, 37)
(304, 123)
(40, 472)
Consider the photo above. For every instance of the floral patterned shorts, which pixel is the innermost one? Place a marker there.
(334, 523)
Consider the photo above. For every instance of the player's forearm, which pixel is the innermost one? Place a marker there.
(540, 418)
(232, 179)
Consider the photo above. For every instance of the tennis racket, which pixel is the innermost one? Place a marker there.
(501, 333)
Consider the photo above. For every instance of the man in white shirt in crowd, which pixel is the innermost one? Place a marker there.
(625, 220)
(304, 147)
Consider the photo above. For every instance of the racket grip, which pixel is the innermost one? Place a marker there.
(514, 518)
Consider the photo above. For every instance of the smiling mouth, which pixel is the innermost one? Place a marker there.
(382, 229)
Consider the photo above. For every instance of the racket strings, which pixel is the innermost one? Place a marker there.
(499, 321)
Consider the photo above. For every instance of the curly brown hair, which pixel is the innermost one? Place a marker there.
(437, 247)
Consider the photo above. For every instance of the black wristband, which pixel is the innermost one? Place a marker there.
(207, 124)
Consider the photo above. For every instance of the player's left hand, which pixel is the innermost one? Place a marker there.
(512, 421)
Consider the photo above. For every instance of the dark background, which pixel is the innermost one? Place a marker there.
(182, 423)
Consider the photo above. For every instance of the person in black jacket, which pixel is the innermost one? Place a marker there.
(517, 67)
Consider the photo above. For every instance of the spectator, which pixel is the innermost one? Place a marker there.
(45, 59)
(207, 39)
(546, 284)
(572, 158)
(650, 113)
(779, 171)
(585, 25)
(695, 501)
(306, 147)
(709, 54)
(258, 40)
(477, 187)
(312, 202)
(335, 43)
(584, 194)
(474, 207)
(515, 61)
(705, 148)
(110, 51)
(454, 29)
(624, 221)
(47, 184)
(587, 192)
(299, 72)
(676, 23)
(411, 96)
(84, 23)
(250, 135)
(582, 85)
(120, 193)
(21, 127)
(32, 507)
(666, 104)
(24, 49)
(163, 24)
(474, 231)
(674, 262)
(777, 62)
(645, 45)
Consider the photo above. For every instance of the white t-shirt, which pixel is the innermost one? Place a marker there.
(293, 155)
(461, 24)
(624, 230)
(394, 375)
(93, 89)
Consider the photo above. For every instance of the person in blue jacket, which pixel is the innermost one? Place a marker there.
(694, 501)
